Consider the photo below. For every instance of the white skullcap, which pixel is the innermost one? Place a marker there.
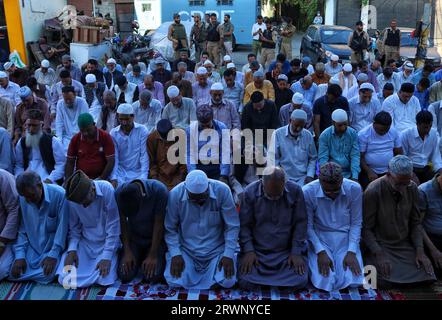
(299, 114)
(173, 92)
(283, 77)
(334, 81)
(125, 108)
(227, 58)
(339, 116)
(334, 57)
(91, 78)
(196, 182)
(230, 65)
(347, 67)
(408, 66)
(3, 75)
(8, 65)
(362, 77)
(45, 64)
(298, 98)
(111, 61)
(367, 86)
(201, 71)
(217, 86)
(208, 62)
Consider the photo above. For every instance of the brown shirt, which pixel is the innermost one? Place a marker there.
(389, 217)
(325, 79)
(159, 167)
(7, 115)
(21, 115)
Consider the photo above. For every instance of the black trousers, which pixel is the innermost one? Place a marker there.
(424, 174)
(363, 179)
(140, 251)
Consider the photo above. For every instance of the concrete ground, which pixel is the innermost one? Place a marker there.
(240, 55)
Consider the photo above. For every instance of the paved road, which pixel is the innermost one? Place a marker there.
(240, 55)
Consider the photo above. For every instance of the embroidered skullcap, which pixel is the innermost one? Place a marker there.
(298, 98)
(24, 92)
(330, 172)
(204, 113)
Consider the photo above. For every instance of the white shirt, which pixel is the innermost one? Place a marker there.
(11, 93)
(49, 78)
(150, 116)
(404, 115)
(256, 27)
(131, 160)
(421, 152)
(395, 80)
(362, 115)
(36, 163)
(66, 121)
(378, 149)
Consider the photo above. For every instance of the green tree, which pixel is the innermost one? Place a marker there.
(308, 9)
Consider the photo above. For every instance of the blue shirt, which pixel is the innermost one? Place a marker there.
(423, 97)
(6, 151)
(285, 66)
(193, 154)
(418, 76)
(203, 232)
(309, 95)
(430, 204)
(43, 229)
(343, 150)
(137, 80)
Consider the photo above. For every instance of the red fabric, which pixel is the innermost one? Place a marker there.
(91, 156)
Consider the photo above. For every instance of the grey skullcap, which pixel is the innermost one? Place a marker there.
(362, 77)
(401, 165)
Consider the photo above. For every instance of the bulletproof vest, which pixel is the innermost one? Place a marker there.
(268, 35)
(179, 32)
(358, 42)
(392, 38)
(212, 33)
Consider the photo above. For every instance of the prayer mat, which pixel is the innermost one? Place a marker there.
(144, 291)
(34, 291)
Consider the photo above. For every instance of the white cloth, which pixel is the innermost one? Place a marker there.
(422, 152)
(378, 149)
(346, 88)
(404, 115)
(131, 159)
(128, 93)
(66, 120)
(256, 27)
(150, 116)
(334, 226)
(36, 162)
(94, 233)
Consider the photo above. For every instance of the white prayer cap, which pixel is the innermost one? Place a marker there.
(201, 71)
(408, 66)
(283, 77)
(125, 108)
(45, 64)
(339, 116)
(111, 61)
(334, 58)
(230, 65)
(362, 77)
(208, 63)
(8, 65)
(217, 86)
(173, 92)
(367, 86)
(299, 114)
(227, 58)
(196, 182)
(334, 81)
(298, 98)
(3, 75)
(91, 78)
(347, 67)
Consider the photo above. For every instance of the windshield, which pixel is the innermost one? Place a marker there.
(335, 36)
(408, 41)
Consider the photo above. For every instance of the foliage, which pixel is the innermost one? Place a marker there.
(308, 9)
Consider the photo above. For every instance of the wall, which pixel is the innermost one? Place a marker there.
(330, 12)
(35, 12)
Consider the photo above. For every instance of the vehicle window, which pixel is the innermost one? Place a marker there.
(330, 36)
(197, 2)
(224, 2)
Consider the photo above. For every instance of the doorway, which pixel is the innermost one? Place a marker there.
(4, 42)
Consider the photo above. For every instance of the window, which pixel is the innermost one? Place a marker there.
(224, 2)
(146, 7)
(197, 2)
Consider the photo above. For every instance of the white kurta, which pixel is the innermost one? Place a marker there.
(334, 226)
(94, 232)
(131, 160)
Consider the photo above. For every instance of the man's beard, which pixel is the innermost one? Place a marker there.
(33, 140)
